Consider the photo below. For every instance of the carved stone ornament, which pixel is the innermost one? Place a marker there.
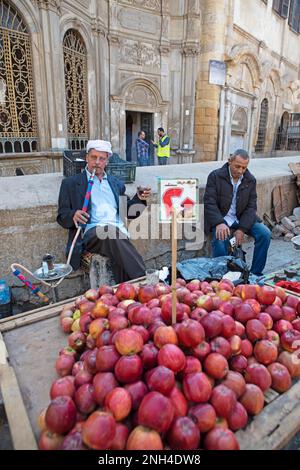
(140, 94)
(139, 53)
(149, 4)
(49, 4)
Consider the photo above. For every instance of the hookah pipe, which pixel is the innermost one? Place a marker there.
(16, 268)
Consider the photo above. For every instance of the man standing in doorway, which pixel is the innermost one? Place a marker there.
(142, 149)
(163, 147)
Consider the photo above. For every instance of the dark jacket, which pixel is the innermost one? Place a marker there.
(218, 198)
(71, 198)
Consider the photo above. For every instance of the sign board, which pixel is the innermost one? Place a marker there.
(217, 72)
(180, 194)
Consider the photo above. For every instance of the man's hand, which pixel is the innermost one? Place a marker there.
(222, 232)
(145, 194)
(239, 236)
(80, 217)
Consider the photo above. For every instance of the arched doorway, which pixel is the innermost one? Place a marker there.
(75, 66)
(18, 123)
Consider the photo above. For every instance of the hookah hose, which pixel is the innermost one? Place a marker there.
(16, 268)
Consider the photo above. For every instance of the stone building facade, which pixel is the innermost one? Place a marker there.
(71, 70)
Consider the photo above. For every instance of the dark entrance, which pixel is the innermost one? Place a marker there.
(136, 121)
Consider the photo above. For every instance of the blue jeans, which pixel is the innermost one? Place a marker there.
(262, 237)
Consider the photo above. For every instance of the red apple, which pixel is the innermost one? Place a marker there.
(248, 291)
(255, 330)
(240, 329)
(281, 379)
(144, 438)
(118, 322)
(106, 358)
(97, 327)
(172, 357)
(165, 335)
(120, 439)
(129, 369)
(296, 324)
(196, 387)
(265, 352)
(62, 387)
(126, 291)
(204, 416)
(146, 293)
(160, 379)
(221, 345)
(179, 402)
(64, 364)
(205, 301)
(236, 382)
(290, 340)
(201, 351)
(84, 398)
(265, 295)
(223, 400)
(77, 340)
(244, 312)
(228, 326)
(103, 383)
(291, 361)
(238, 419)
(156, 411)
(104, 289)
(221, 439)
(292, 301)
(288, 313)
(275, 311)
(192, 365)
(140, 315)
(216, 365)
(274, 337)
(253, 399)
(50, 441)
(83, 377)
(137, 391)
(246, 348)
(266, 320)
(98, 431)
(149, 356)
(238, 363)
(100, 310)
(184, 434)
(212, 325)
(128, 341)
(281, 326)
(61, 415)
(119, 403)
(190, 333)
(235, 345)
(259, 375)
(255, 305)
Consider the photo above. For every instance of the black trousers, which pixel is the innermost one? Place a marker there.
(108, 241)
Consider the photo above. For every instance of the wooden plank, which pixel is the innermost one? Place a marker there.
(270, 395)
(295, 168)
(22, 435)
(275, 425)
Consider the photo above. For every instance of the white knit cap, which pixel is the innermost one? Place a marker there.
(100, 146)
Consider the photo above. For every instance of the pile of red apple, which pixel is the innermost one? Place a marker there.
(130, 380)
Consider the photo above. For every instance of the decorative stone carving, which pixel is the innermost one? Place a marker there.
(126, 76)
(139, 21)
(149, 4)
(139, 53)
(191, 50)
(49, 5)
(140, 94)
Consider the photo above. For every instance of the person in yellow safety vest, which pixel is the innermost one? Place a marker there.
(163, 146)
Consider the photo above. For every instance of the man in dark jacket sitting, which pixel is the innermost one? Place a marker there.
(104, 231)
(230, 204)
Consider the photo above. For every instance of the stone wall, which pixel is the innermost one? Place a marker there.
(29, 230)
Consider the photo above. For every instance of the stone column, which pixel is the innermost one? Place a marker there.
(53, 56)
(215, 16)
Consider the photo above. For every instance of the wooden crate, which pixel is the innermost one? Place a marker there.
(29, 345)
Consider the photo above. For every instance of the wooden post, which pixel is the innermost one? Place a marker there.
(174, 262)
